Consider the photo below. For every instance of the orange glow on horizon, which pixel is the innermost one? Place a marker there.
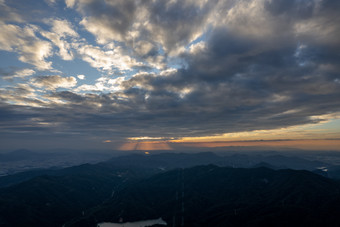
(321, 136)
(328, 128)
(305, 144)
(145, 146)
(300, 144)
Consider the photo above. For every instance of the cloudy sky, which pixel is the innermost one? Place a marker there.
(166, 74)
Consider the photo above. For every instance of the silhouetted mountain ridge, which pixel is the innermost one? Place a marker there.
(50, 200)
(137, 187)
(226, 197)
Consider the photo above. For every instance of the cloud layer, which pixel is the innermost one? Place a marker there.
(172, 68)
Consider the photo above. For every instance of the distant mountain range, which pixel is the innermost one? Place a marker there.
(205, 185)
(24, 160)
(167, 161)
(24, 154)
(183, 160)
(19, 155)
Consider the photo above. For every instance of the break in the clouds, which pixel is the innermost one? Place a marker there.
(166, 69)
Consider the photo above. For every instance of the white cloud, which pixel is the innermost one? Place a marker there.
(88, 87)
(101, 29)
(197, 47)
(36, 53)
(99, 86)
(106, 60)
(50, 2)
(21, 73)
(24, 73)
(31, 49)
(103, 84)
(61, 30)
(70, 3)
(168, 72)
(81, 77)
(8, 36)
(54, 82)
(172, 24)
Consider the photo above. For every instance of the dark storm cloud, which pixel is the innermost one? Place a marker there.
(18, 119)
(296, 8)
(243, 76)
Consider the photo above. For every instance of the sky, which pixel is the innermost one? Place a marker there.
(169, 74)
